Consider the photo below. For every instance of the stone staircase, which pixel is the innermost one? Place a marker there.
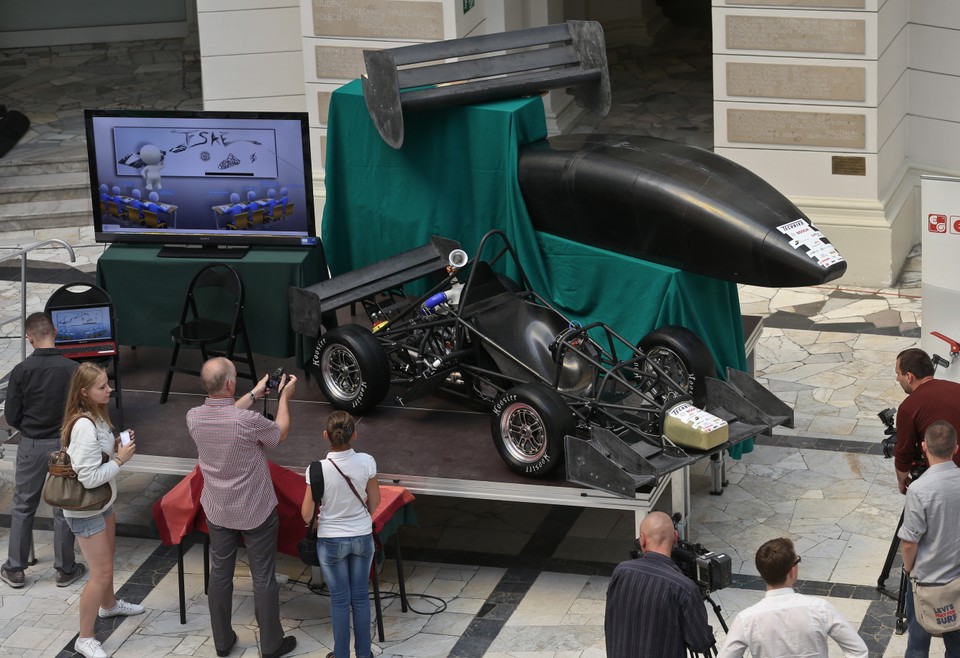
(44, 194)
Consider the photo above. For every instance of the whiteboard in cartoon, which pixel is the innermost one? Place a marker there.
(195, 152)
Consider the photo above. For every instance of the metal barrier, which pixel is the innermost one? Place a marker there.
(22, 255)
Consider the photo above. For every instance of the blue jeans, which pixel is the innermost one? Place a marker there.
(345, 562)
(918, 639)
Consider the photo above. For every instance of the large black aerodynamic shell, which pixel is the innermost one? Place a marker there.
(673, 204)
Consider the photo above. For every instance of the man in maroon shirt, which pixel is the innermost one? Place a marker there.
(928, 400)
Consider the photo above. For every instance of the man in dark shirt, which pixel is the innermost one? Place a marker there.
(928, 400)
(36, 393)
(653, 609)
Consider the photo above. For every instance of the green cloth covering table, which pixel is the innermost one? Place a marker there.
(456, 176)
(148, 293)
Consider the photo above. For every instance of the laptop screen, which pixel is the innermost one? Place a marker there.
(82, 324)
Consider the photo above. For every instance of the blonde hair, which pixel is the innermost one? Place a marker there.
(340, 428)
(85, 376)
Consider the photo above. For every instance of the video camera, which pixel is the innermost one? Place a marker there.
(887, 417)
(710, 571)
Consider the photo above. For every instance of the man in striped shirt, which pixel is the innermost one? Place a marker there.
(653, 609)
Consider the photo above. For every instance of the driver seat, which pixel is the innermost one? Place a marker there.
(524, 329)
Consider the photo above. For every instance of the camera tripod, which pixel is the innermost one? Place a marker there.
(901, 625)
(712, 651)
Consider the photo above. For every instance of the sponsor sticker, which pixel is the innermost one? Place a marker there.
(804, 235)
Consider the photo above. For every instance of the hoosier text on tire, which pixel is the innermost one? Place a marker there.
(352, 368)
(528, 425)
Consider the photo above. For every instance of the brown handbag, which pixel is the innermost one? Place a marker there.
(64, 490)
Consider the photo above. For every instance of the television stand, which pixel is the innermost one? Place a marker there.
(202, 251)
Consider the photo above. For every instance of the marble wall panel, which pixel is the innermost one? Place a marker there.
(323, 106)
(794, 81)
(339, 62)
(793, 128)
(819, 4)
(378, 19)
(795, 34)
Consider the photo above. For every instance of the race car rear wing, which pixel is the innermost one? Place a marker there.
(308, 305)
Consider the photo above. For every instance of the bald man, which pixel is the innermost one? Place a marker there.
(653, 609)
(239, 500)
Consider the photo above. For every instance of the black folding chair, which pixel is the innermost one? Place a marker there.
(212, 315)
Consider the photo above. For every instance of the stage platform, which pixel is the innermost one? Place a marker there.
(440, 446)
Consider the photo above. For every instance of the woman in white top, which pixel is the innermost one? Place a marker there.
(96, 456)
(345, 533)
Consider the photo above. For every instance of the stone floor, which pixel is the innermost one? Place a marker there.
(492, 578)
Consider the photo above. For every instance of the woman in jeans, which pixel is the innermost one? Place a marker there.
(96, 456)
(345, 533)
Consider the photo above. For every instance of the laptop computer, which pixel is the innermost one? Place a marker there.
(84, 331)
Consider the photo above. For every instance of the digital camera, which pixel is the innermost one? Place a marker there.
(273, 381)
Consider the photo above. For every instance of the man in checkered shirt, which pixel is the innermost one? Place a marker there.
(239, 500)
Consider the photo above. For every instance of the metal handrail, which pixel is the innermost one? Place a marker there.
(22, 255)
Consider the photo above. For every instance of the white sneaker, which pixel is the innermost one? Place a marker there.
(122, 609)
(89, 647)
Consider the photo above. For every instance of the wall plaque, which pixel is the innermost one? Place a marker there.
(848, 165)
(787, 33)
(797, 128)
(339, 62)
(834, 83)
(378, 18)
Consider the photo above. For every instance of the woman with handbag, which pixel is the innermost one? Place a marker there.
(345, 533)
(96, 456)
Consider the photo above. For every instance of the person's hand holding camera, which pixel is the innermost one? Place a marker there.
(260, 390)
(288, 383)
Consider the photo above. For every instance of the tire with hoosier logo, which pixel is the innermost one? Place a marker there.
(352, 368)
(684, 358)
(528, 425)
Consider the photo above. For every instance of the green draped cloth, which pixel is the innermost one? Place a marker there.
(456, 176)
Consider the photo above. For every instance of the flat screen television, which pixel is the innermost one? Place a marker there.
(199, 180)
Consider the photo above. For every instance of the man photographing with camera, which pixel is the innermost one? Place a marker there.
(928, 400)
(653, 609)
(239, 500)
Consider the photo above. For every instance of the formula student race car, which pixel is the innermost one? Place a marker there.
(558, 391)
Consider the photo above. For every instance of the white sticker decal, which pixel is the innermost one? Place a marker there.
(804, 234)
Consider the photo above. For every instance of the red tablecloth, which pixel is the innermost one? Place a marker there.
(179, 513)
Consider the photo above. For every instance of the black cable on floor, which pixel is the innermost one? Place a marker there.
(321, 590)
